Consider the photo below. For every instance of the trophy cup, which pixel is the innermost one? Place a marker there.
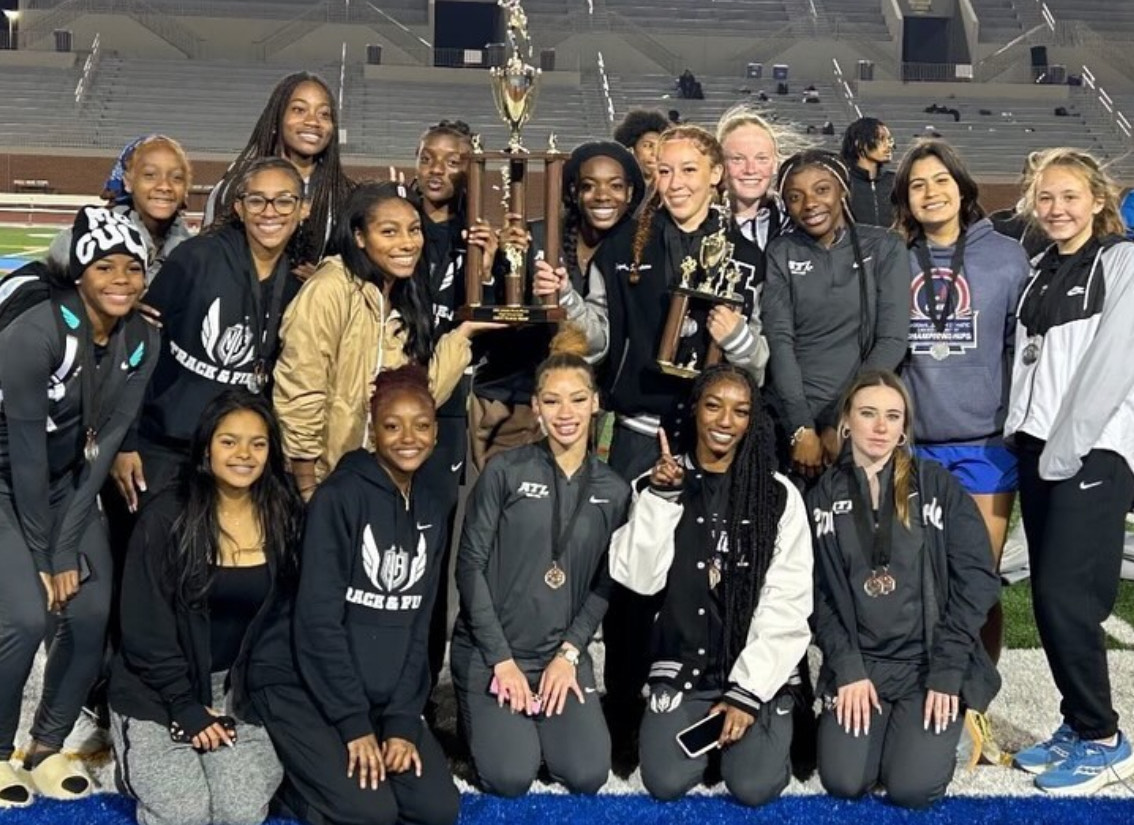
(514, 90)
(712, 278)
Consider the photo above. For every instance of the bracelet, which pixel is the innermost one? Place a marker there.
(798, 434)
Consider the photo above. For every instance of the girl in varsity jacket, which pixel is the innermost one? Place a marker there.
(903, 582)
(1071, 416)
(342, 687)
(75, 364)
(724, 539)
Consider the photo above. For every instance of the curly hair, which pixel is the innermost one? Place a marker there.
(411, 378)
(971, 211)
(637, 123)
(859, 138)
(756, 500)
(1102, 187)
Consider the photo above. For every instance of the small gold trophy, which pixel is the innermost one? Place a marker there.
(686, 346)
(514, 90)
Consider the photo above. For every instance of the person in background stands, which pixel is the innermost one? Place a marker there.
(867, 147)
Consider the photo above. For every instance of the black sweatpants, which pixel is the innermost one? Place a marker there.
(755, 770)
(316, 787)
(913, 764)
(508, 748)
(1075, 530)
(74, 637)
(629, 620)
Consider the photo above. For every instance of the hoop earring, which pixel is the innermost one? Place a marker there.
(902, 440)
(844, 432)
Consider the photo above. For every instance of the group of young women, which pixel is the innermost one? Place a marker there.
(284, 404)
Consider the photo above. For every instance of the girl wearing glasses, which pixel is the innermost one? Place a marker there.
(221, 297)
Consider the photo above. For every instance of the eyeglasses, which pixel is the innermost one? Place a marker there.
(283, 204)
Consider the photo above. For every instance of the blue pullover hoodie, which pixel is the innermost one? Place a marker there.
(959, 377)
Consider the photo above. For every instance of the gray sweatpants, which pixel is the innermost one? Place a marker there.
(74, 637)
(508, 748)
(176, 785)
(913, 764)
(756, 769)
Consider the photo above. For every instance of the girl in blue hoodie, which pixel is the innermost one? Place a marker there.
(967, 279)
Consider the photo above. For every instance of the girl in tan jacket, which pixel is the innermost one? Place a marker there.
(364, 311)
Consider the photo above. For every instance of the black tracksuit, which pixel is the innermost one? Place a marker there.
(357, 661)
(509, 612)
(923, 636)
(49, 519)
(213, 309)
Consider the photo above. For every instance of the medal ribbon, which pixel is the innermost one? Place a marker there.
(265, 326)
(956, 264)
(560, 533)
(878, 539)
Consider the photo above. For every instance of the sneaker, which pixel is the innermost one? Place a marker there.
(88, 740)
(1050, 754)
(1089, 767)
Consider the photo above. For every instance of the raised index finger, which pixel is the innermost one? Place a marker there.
(663, 442)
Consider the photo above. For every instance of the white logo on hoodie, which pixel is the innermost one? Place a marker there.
(233, 347)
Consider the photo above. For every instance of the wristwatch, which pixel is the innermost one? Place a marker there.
(570, 654)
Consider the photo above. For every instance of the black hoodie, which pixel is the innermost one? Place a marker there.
(370, 567)
(213, 311)
(870, 198)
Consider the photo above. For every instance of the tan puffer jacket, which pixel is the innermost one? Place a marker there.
(337, 335)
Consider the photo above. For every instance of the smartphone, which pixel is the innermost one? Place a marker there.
(534, 706)
(697, 740)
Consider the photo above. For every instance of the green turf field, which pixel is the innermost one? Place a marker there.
(23, 243)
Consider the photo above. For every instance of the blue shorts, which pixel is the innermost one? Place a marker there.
(982, 469)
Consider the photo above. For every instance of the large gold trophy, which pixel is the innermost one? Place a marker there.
(514, 89)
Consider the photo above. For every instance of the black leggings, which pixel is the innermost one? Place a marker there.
(1076, 529)
(74, 637)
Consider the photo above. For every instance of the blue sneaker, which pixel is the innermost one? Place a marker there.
(1050, 754)
(1089, 767)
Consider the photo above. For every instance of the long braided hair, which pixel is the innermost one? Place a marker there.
(756, 500)
(573, 217)
(329, 186)
(832, 164)
(709, 146)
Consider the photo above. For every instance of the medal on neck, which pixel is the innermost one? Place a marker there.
(259, 378)
(90, 447)
(555, 577)
(1031, 350)
(879, 583)
(714, 573)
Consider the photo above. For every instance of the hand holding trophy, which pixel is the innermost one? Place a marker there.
(707, 281)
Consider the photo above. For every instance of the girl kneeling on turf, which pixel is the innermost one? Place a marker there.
(724, 538)
(903, 582)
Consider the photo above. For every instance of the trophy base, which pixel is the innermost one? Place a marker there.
(678, 370)
(715, 297)
(513, 316)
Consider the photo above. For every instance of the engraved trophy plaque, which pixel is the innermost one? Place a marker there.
(712, 278)
(515, 87)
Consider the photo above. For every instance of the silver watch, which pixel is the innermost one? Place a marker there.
(570, 654)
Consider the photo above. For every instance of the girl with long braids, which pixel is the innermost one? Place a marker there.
(836, 301)
(362, 312)
(602, 187)
(903, 583)
(340, 680)
(623, 315)
(221, 297)
(723, 538)
(532, 574)
(207, 564)
(300, 123)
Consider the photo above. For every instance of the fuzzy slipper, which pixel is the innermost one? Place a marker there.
(58, 777)
(16, 789)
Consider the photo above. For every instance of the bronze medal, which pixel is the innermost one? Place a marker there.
(872, 586)
(887, 582)
(259, 378)
(555, 577)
